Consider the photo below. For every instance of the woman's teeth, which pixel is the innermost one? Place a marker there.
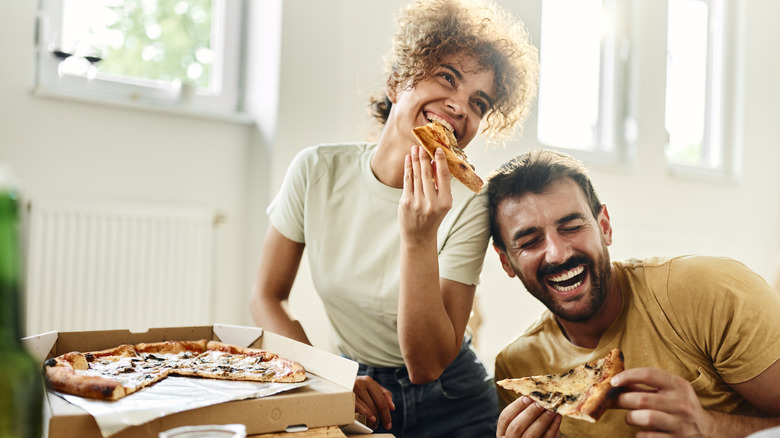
(435, 118)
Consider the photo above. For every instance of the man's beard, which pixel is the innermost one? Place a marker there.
(599, 276)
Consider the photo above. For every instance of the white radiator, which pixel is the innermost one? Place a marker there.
(94, 267)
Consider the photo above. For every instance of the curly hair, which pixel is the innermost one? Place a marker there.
(431, 30)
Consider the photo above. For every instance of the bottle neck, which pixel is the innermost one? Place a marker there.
(10, 270)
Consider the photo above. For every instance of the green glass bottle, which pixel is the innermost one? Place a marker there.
(21, 386)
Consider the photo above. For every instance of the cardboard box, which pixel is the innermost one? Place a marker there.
(327, 401)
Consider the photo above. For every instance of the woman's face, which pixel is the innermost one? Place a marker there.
(458, 93)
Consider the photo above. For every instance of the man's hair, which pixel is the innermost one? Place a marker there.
(533, 172)
(431, 30)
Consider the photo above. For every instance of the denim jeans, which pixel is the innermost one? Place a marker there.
(462, 403)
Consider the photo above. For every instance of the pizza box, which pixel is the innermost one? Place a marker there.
(326, 401)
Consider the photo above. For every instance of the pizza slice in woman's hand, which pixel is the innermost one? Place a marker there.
(435, 135)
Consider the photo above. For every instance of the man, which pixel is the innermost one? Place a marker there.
(699, 334)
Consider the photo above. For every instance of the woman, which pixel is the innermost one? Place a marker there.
(396, 247)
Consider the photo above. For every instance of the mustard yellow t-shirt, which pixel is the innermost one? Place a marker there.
(710, 320)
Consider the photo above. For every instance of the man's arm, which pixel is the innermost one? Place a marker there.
(670, 404)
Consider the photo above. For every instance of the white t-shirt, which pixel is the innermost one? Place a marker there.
(331, 201)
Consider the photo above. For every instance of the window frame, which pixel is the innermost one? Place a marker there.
(615, 133)
(620, 93)
(718, 119)
(225, 101)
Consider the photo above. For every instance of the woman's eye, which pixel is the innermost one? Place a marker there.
(447, 77)
(481, 106)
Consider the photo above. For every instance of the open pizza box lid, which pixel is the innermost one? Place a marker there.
(326, 400)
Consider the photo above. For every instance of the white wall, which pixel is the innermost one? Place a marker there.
(70, 150)
(330, 62)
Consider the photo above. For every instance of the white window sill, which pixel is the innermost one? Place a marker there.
(693, 173)
(172, 109)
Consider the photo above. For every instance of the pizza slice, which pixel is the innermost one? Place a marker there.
(435, 135)
(229, 362)
(105, 375)
(583, 392)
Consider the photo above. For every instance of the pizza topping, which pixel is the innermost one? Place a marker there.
(448, 139)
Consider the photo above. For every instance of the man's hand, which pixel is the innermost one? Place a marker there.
(659, 401)
(373, 401)
(527, 419)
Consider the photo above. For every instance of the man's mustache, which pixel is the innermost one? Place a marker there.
(552, 269)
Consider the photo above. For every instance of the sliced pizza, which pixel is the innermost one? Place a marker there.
(435, 135)
(115, 373)
(584, 392)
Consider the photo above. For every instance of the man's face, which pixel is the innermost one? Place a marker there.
(557, 249)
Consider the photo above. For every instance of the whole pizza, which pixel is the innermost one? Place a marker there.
(117, 372)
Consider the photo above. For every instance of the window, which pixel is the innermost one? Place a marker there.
(693, 83)
(583, 56)
(583, 93)
(165, 53)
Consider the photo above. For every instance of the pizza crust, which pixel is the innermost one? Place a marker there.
(584, 392)
(602, 395)
(434, 135)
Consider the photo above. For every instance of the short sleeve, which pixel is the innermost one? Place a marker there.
(462, 253)
(286, 211)
(729, 312)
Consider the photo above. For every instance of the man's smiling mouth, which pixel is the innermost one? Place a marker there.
(568, 280)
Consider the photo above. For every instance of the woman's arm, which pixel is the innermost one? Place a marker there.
(279, 264)
(432, 312)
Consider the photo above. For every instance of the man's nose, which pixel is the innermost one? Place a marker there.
(557, 249)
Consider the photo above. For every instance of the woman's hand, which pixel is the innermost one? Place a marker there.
(524, 418)
(373, 401)
(427, 196)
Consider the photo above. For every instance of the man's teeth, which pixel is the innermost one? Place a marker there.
(568, 274)
(435, 118)
(567, 288)
(564, 276)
